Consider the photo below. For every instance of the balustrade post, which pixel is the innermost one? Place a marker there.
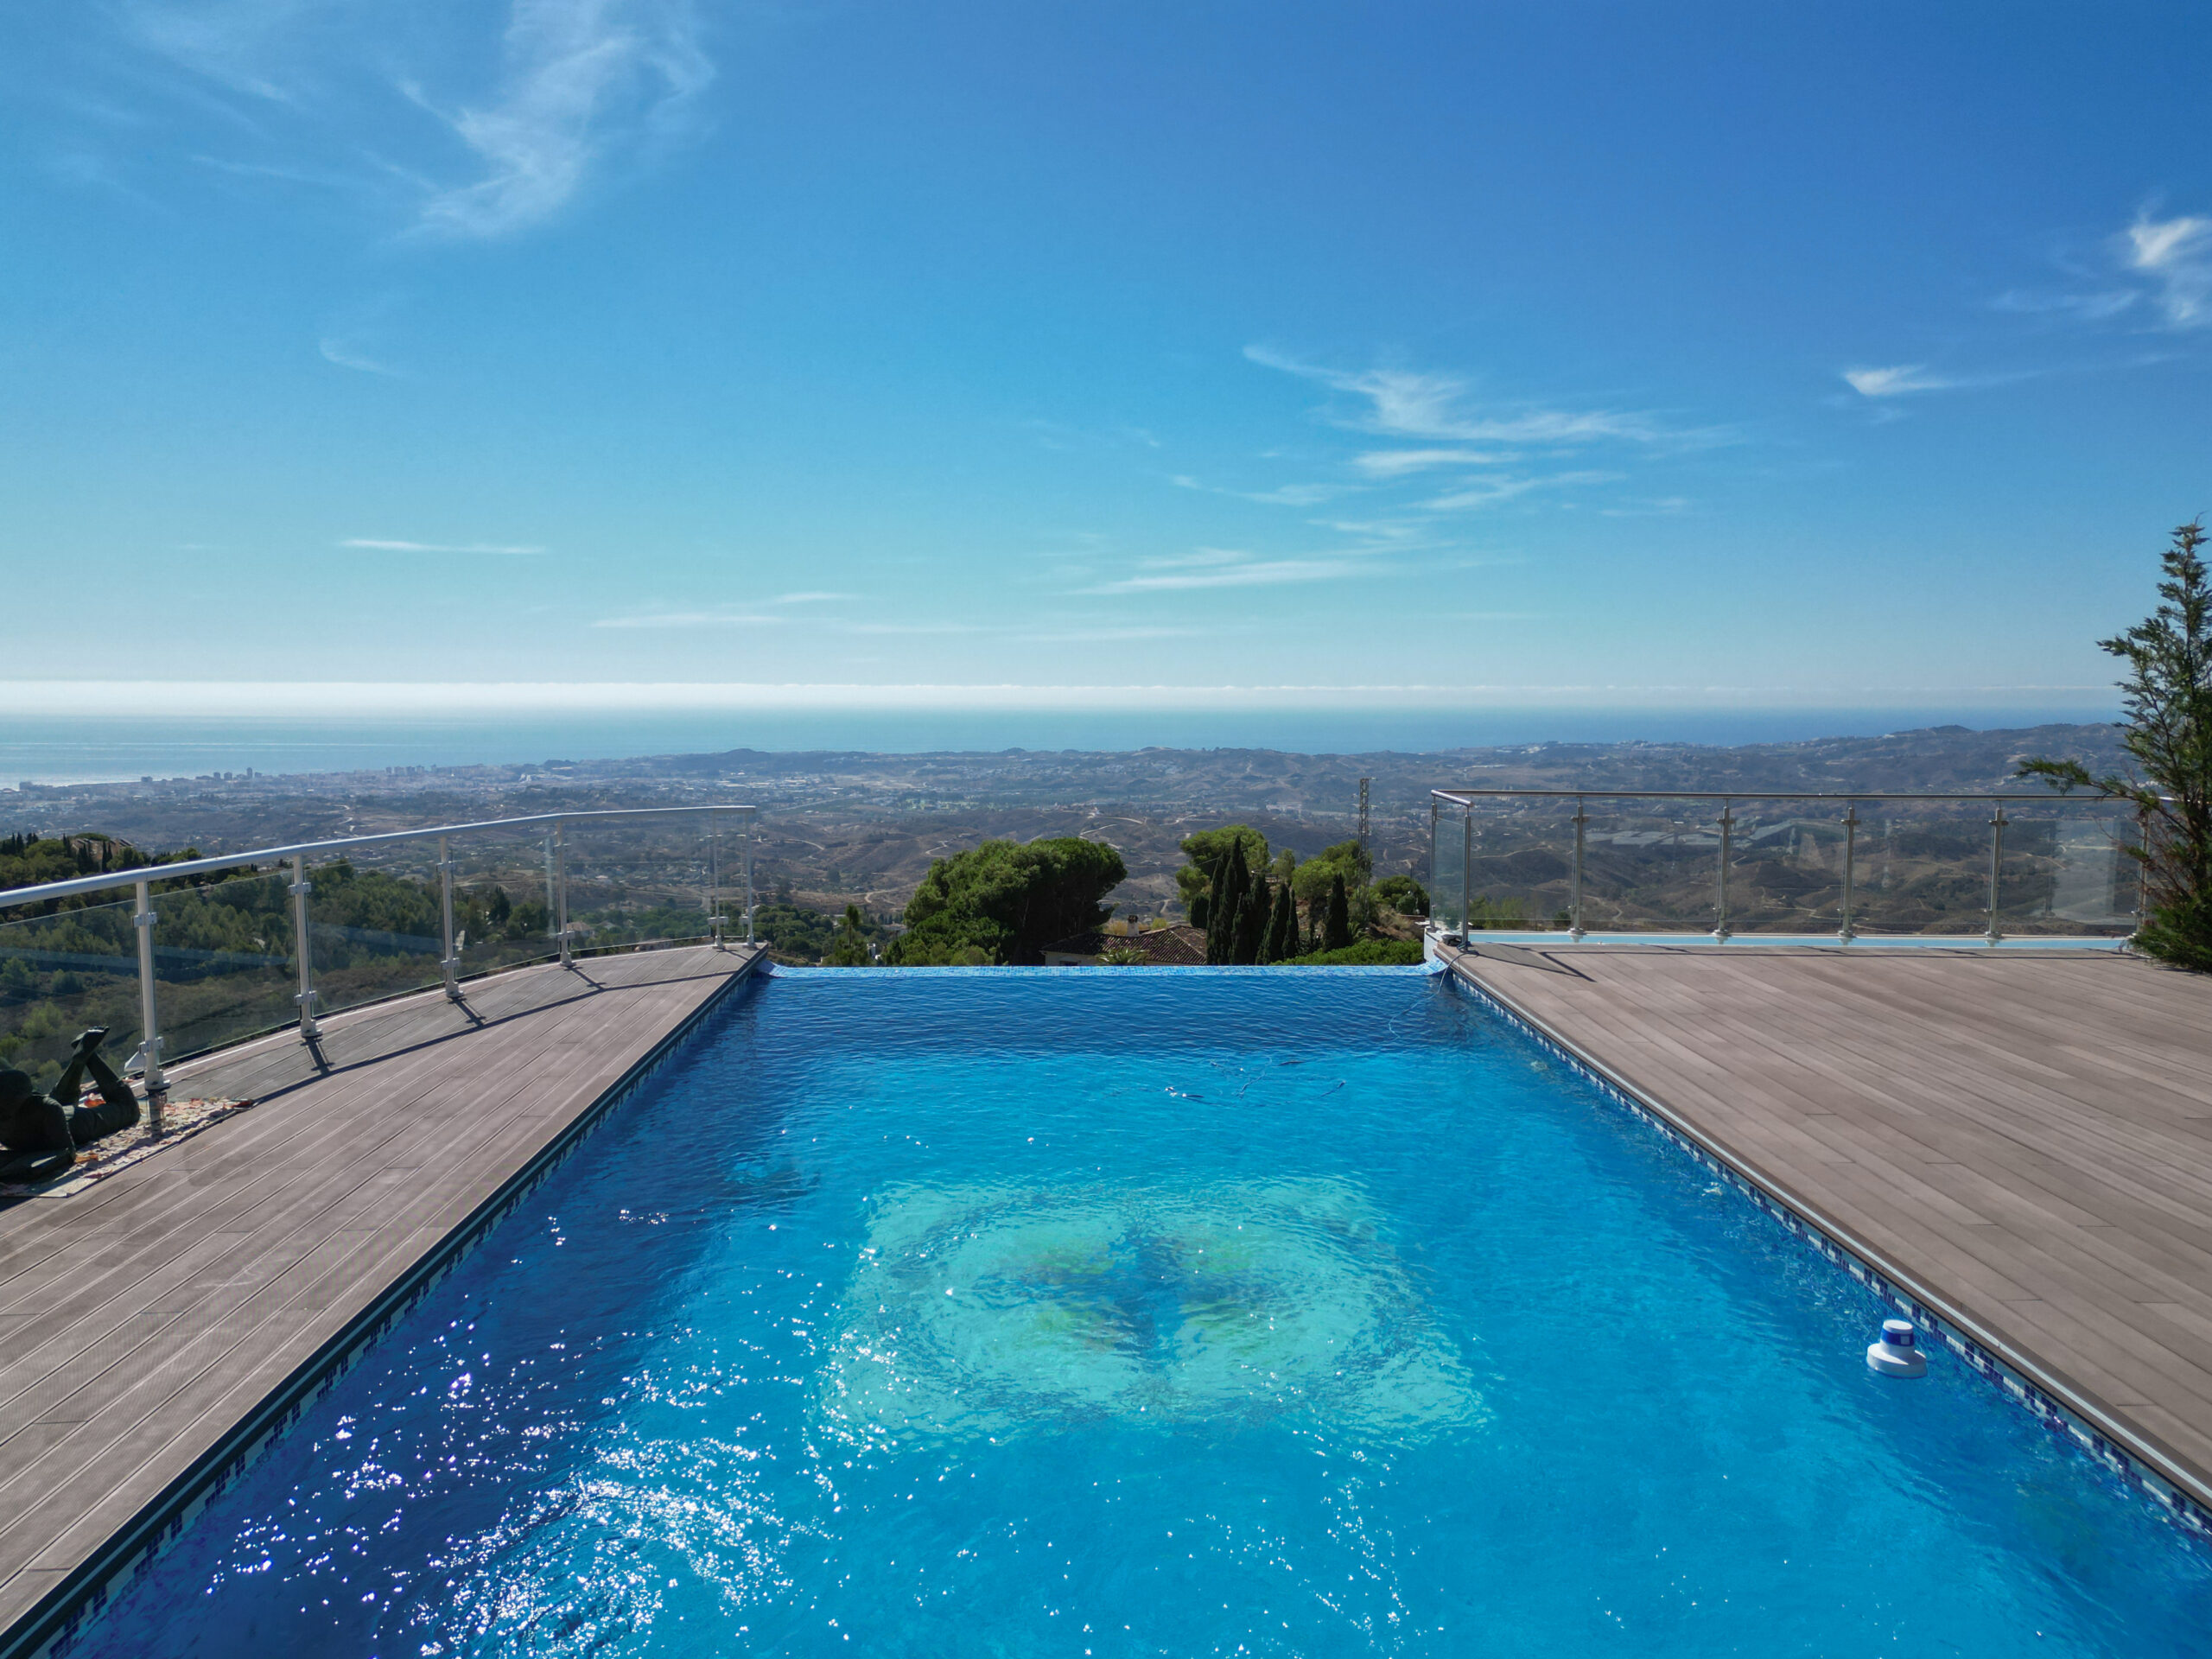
(1847, 933)
(1581, 820)
(1466, 873)
(1996, 869)
(751, 825)
(1435, 894)
(452, 963)
(303, 947)
(150, 1014)
(1720, 928)
(561, 888)
(714, 877)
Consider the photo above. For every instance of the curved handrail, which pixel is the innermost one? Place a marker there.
(39, 894)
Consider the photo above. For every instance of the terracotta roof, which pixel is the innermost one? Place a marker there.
(1163, 947)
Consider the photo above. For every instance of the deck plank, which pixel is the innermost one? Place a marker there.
(2029, 1135)
(147, 1316)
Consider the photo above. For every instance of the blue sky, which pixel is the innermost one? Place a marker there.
(1550, 354)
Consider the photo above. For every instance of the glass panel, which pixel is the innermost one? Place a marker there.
(222, 961)
(638, 880)
(1923, 868)
(1443, 869)
(373, 924)
(1523, 867)
(1650, 866)
(62, 972)
(502, 915)
(1786, 867)
(2067, 872)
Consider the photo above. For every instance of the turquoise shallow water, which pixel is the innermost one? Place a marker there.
(1224, 1312)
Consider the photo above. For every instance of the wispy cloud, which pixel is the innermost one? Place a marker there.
(376, 544)
(1113, 635)
(1488, 491)
(1398, 463)
(2177, 255)
(338, 352)
(1288, 495)
(1164, 576)
(2088, 308)
(1897, 381)
(691, 619)
(577, 78)
(310, 92)
(1414, 404)
(807, 599)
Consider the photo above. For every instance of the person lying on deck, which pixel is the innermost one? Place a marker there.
(41, 1133)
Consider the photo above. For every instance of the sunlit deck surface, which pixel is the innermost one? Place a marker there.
(2028, 1135)
(146, 1320)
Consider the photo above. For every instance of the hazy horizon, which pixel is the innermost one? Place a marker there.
(60, 750)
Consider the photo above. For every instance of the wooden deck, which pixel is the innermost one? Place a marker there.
(2027, 1135)
(152, 1324)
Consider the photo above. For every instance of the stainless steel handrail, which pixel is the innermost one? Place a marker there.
(140, 880)
(13, 896)
(1463, 796)
(1850, 800)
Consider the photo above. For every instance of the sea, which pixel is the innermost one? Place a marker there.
(55, 749)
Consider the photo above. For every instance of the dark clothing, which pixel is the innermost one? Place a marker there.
(44, 1131)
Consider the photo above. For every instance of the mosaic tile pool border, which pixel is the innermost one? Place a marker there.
(2077, 1423)
(52, 1627)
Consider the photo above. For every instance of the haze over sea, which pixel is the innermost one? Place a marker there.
(65, 750)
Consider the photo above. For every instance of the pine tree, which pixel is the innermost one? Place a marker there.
(1336, 933)
(2167, 696)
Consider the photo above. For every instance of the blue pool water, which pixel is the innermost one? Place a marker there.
(1081, 1313)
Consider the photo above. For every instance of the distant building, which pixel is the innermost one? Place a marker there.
(1161, 947)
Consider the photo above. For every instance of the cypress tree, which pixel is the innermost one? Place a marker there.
(1227, 904)
(1282, 926)
(1251, 926)
(1336, 934)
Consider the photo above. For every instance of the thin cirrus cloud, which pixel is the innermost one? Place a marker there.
(2176, 254)
(578, 78)
(1219, 567)
(348, 98)
(1488, 491)
(1416, 403)
(1895, 382)
(1399, 463)
(345, 357)
(379, 545)
(691, 620)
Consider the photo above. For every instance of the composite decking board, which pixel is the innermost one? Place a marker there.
(2027, 1135)
(143, 1318)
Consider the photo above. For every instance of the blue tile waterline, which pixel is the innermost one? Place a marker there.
(1291, 1311)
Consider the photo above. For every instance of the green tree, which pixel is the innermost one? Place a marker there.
(1347, 859)
(1404, 894)
(1336, 932)
(1282, 925)
(850, 948)
(1226, 892)
(1004, 901)
(1206, 850)
(1251, 933)
(2167, 696)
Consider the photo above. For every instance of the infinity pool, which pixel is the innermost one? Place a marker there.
(1257, 1312)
